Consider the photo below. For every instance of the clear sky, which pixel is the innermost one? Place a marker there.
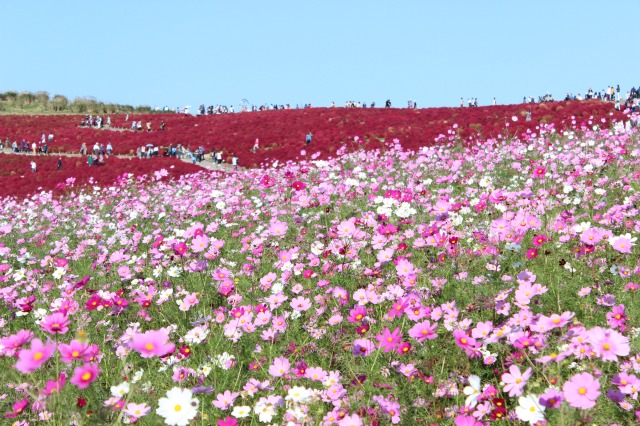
(177, 53)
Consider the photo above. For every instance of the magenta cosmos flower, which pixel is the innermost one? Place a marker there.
(180, 248)
(85, 375)
(151, 343)
(388, 340)
(539, 172)
(31, 359)
(581, 391)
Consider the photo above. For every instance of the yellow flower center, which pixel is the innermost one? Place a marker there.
(177, 408)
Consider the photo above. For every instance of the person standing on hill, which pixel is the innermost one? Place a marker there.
(256, 145)
(33, 166)
(308, 138)
(59, 163)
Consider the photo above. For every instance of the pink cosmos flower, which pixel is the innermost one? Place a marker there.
(136, 410)
(278, 228)
(468, 344)
(53, 386)
(280, 367)
(224, 400)
(539, 240)
(388, 340)
(29, 360)
(539, 172)
(551, 398)
(199, 243)
(622, 244)
(581, 391)
(124, 272)
(15, 341)
(227, 421)
(346, 228)
(362, 347)
(462, 420)
(300, 303)
(608, 344)
(151, 343)
(56, 323)
(85, 375)
(515, 380)
(18, 408)
(591, 236)
(423, 330)
(357, 314)
(617, 317)
(72, 351)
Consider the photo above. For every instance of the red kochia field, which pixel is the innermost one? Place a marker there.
(282, 132)
(16, 178)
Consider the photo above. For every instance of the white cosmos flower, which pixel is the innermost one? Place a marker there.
(298, 394)
(178, 408)
(529, 409)
(120, 390)
(240, 411)
(472, 391)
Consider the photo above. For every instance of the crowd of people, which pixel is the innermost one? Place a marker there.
(94, 121)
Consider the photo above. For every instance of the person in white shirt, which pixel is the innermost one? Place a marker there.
(33, 166)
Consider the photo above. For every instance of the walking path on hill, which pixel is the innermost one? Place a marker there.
(205, 164)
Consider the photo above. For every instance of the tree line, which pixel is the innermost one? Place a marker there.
(41, 102)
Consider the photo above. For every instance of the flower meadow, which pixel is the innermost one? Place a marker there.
(471, 284)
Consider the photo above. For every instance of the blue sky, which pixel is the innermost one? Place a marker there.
(170, 53)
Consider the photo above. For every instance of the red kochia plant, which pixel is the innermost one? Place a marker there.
(16, 178)
(282, 132)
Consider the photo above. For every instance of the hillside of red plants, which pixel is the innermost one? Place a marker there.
(16, 178)
(282, 132)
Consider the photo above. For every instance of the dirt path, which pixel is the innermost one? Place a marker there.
(205, 164)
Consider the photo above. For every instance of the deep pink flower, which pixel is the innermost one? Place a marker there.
(29, 360)
(180, 248)
(298, 186)
(388, 340)
(18, 408)
(532, 253)
(85, 375)
(581, 391)
(539, 172)
(539, 240)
